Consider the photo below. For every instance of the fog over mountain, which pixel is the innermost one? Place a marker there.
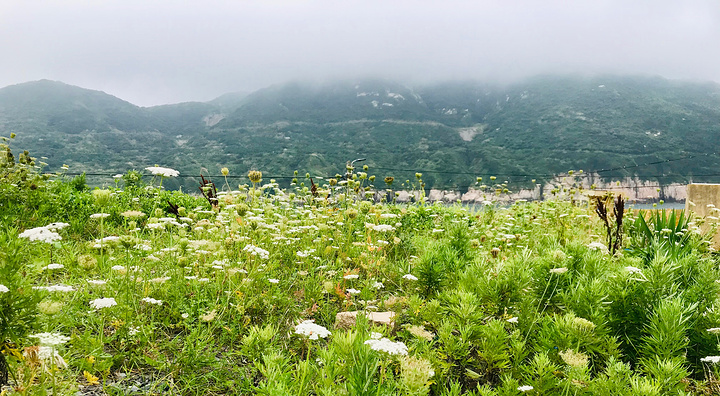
(165, 51)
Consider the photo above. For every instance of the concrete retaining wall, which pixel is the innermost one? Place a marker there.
(704, 201)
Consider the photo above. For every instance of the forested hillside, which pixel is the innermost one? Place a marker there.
(452, 132)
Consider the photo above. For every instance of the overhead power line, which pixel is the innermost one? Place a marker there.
(527, 176)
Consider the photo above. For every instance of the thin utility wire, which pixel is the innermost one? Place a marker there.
(527, 176)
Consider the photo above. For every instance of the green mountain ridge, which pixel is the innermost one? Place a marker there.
(450, 131)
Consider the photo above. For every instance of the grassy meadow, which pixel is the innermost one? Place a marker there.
(134, 289)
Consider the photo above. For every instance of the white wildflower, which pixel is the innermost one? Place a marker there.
(54, 288)
(151, 300)
(514, 319)
(311, 330)
(714, 330)
(56, 226)
(410, 277)
(53, 266)
(711, 359)
(525, 388)
(4, 289)
(109, 239)
(50, 339)
(48, 355)
(351, 276)
(256, 251)
(164, 172)
(305, 253)
(41, 234)
(100, 303)
(598, 246)
(273, 280)
(387, 346)
(632, 270)
(353, 291)
(99, 215)
(161, 279)
(380, 227)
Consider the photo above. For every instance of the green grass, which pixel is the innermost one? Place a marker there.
(207, 302)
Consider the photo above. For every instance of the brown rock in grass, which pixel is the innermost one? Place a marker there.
(346, 320)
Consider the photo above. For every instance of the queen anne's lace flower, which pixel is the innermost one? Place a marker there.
(711, 359)
(598, 246)
(46, 355)
(103, 303)
(55, 288)
(4, 289)
(383, 228)
(305, 253)
(41, 234)
(410, 277)
(132, 214)
(164, 172)
(256, 251)
(56, 226)
(311, 330)
(387, 346)
(151, 300)
(99, 215)
(161, 279)
(51, 339)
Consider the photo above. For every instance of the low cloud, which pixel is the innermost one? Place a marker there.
(163, 52)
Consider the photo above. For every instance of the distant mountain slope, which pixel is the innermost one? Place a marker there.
(343, 101)
(55, 106)
(451, 131)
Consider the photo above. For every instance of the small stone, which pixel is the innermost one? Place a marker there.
(346, 320)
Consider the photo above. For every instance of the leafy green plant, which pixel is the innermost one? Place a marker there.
(667, 330)
(663, 234)
(18, 304)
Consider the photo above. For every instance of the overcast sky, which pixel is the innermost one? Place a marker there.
(153, 52)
